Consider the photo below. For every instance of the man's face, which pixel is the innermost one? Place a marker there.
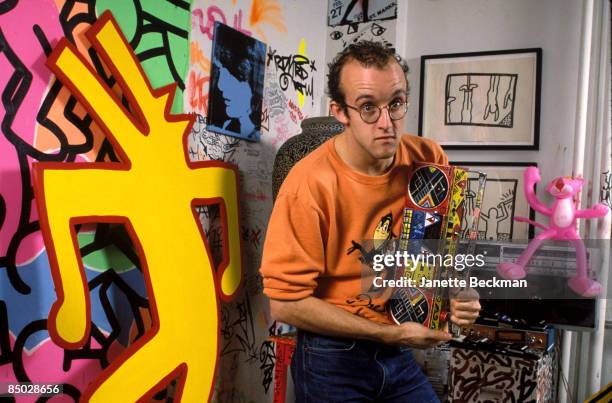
(376, 87)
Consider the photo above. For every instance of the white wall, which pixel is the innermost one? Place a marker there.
(450, 26)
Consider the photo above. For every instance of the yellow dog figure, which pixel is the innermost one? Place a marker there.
(153, 192)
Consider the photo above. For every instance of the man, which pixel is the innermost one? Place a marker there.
(333, 199)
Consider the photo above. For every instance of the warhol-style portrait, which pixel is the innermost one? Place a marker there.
(236, 89)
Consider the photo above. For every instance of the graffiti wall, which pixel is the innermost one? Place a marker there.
(42, 121)
(293, 87)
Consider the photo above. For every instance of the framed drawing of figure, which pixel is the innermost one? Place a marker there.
(504, 199)
(482, 100)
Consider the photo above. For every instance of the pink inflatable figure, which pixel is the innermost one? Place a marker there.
(563, 215)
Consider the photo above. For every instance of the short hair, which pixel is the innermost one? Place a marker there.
(368, 54)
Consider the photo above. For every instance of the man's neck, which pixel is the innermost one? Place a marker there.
(358, 159)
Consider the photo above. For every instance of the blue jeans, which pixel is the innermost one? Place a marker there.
(328, 369)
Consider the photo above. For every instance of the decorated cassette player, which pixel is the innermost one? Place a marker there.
(434, 211)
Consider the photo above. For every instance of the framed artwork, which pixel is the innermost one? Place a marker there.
(504, 198)
(236, 84)
(483, 100)
(347, 12)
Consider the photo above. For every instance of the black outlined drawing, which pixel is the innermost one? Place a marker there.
(480, 99)
(503, 200)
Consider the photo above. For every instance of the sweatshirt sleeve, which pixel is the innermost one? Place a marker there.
(293, 255)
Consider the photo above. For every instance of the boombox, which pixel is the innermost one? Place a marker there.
(434, 210)
(520, 339)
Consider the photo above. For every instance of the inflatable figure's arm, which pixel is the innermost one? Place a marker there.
(531, 178)
(598, 210)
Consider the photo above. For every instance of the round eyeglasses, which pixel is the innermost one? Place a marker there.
(371, 113)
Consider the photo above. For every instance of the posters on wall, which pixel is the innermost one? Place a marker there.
(237, 80)
(343, 12)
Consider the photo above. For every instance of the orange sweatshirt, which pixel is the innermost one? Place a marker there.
(322, 215)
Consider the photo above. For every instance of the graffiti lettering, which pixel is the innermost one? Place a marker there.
(281, 128)
(295, 71)
(295, 109)
(252, 236)
(238, 23)
(198, 93)
(239, 333)
(267, 360)
(265, 121)
(213, 14)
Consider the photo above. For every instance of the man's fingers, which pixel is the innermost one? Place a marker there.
(418, 336)
(465, 316)
(464, 312)
(460, 305)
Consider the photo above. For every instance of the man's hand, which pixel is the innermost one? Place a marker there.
(415, 335)
(464, 306)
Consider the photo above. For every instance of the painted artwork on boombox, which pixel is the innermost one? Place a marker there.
(236, 88)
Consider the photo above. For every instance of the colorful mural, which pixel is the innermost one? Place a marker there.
(165, 232)
(45, 121)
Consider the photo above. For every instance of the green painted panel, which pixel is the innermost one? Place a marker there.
(146, 23)
(105, 258)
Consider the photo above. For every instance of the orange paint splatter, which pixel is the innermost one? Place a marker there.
(266, 12)
(197, 57)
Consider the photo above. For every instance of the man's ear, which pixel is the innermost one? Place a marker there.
(339, 112)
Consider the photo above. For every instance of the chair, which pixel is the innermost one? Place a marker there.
(315, 131)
